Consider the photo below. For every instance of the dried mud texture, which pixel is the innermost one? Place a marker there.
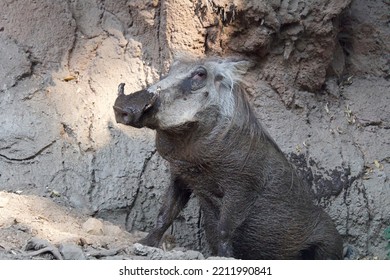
(320, 86)
(294, 40)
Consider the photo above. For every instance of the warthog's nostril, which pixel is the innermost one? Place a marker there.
(126, 117)
(122, 115)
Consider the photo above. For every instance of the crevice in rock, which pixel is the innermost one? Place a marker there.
(145, 164)
(29, 158)
(158, 31)
(347, 203)
(91, 118)
(129, 208)
(129, 223)
(92, 176)
(26, 74)
(368, 224)
(199, 225)
(74, 41)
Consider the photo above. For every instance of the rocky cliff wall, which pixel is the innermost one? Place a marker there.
(320, 87)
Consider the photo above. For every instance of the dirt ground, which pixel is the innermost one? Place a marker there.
(33, 227)
(25, 217)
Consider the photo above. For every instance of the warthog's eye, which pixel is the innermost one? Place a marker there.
(195, 81)
(199, 74)
(198, 78)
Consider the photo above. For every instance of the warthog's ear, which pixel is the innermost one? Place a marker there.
(230, 72)
(241, 67)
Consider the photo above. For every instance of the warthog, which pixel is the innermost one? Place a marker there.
(254, 204)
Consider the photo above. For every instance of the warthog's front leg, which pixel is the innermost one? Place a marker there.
(236, 205)
(174, 201)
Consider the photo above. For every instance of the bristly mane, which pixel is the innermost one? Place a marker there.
(244, 115)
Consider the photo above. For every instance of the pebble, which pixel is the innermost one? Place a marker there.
(158, 254)
(111, 230)
(93, 226)
(140, 250)
(71, 252)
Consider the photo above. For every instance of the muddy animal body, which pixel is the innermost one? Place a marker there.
(254, 204)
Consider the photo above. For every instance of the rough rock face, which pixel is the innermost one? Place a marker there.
(294, 40)
(321, 88)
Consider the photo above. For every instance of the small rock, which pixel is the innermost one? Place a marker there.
(40, 246)
(93, 226)
(153, 253)
(71, 252)
(102, 253)
(193, 255)
(111, 230)
(36, 243)
(140, 250)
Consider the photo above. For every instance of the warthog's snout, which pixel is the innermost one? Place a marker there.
(131, 109)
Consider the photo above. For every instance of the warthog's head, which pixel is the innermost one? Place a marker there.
(193, 92)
